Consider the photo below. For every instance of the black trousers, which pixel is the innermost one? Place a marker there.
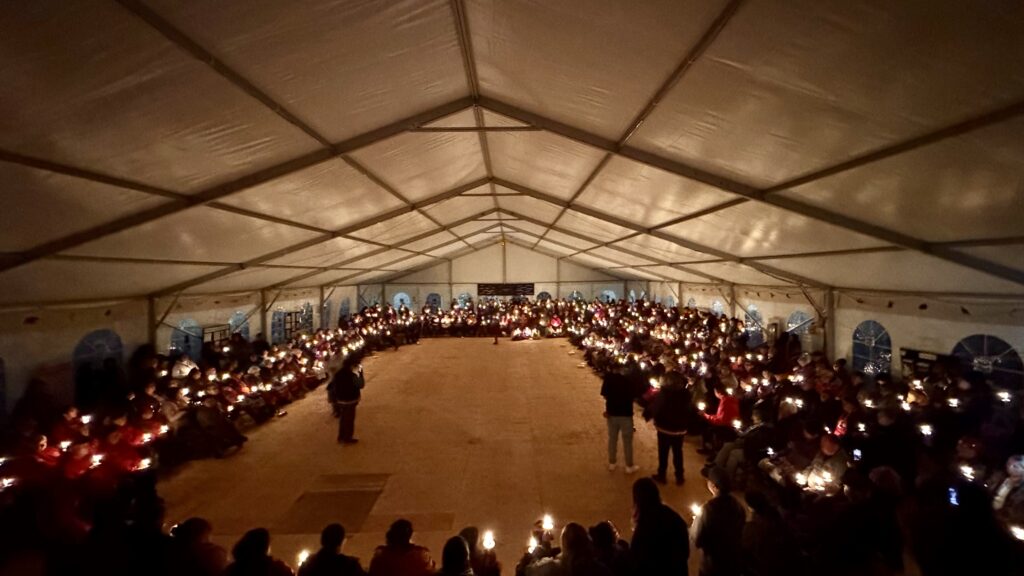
(673, 443)
(346, 421)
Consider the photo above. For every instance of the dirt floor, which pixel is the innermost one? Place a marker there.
(453, 432)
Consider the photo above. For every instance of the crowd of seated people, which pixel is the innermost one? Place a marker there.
(848, 463)
(517, 318)
(842, 472)
(61, 466)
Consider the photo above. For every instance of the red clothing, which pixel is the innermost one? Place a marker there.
(411, 560)
(728, 410)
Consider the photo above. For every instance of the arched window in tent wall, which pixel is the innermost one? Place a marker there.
(799, 322)
(187, 338)
(465, 299)
(691, 303)
(608, 296)
(306, 318)
(632, 295)
(401, 299)
(544, 296)
(670, 301)
(872, 348)
(754, 325)
(434, 300)
(345, 310)
(993, 358)
(239, 324)
(575, 295)
(325, 316)
(717, 308)
(277, 326)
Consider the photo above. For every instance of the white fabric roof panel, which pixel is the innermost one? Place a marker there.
(326, 253)
(460, 207)
(643, 273)
(528, 206)
(324, 278)
(554, 248)
(1011, 255)
(894, 271)
(34, 200)
(249, 279)
(566, 239)
(495, 120)
(394, 230)
(330, 195)
(542, 161)
(789, 87)
(978, 177)
(429, 242)
(446, 251)
(754, 229)
(592, 227)
(737, 273)
(343, 67)
(525, 226)
(471, 227)
(591, 261)
(421, 164)
(612, 254)
(662, 249)
(646, 195)
(37, 281)
(590, 63)
(676, 274)
(200, 234)
(381, 260)
(91, 85)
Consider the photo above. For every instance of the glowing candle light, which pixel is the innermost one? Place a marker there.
(801, 478)
(86, 419)
(303, 556)
(1017, 532)
(548, 523)
(954, 403)
(737, 424)
(862, 427)
(905, 405)
(532, 545)
(695, 509)
(6, 483)
(771, 451)
(144, 464)
(869, 404)
(967, 472)
(489, 540)
(701, 406)
(926, 429)
(147, 438)
(1004, 397)
(97, 459)
(164, 429)
(65, 445)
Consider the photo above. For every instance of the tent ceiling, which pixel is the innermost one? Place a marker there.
(187, 146)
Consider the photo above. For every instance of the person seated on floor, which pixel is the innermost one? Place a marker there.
(577, 557)
(252, 557)
(193, 554)
(399, 556)
(484, 562)
(750, 446)
(611, 550)
(329, 561)
(455, 558)
(720, 424)
(825, 473)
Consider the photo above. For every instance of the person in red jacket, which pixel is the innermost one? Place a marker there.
(721, 424)
(400, 557)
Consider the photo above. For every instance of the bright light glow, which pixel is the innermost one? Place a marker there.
(1004, 397)
(97, 459)
(1017, 532)
(86, 419)
(532, 545)
(801, 478)
(737, 424)
(65, 445)
(303, 556)
(6, 483)
(695, 509)
(147, 438)
(954, 403)
(548, 523)
(771, 451)
(144, 464)
(701, 406)
(164, 429)
(862, 427)
(488, 540)
(869, 404)
(967, 472)
(926, 429)
(905, 406)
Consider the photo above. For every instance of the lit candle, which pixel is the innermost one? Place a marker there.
(65, 445)
(1017, 532)
(97, 459)
(701, 406)
(967, 472)
(489, 540)
(954, 403)
(926, 429)
(548, 523)
(86, 419)
(532, 545)
(737, 424)
(144, 464)
(1004, 396)
(303, 556)
(695, 509)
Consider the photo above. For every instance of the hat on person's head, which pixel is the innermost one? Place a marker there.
(720, 478)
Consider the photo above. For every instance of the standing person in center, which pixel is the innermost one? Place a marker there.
(671, 410)
(618, 401)
(348, 385)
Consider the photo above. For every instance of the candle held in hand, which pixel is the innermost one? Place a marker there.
(488, 540)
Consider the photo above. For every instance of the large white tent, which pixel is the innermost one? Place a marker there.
(158, 149)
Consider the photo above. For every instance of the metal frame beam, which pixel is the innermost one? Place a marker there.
(695, 52)
(758, 195)
(321, 239)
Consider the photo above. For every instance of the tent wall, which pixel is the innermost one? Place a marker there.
(205, 311)
(44, 340)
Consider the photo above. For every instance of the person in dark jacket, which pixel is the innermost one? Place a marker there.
(618, 401)
(718, 529)
(329, 561)
(611, 550)
(252, 557)
(348, 385)
(455, 558)
(660, 545)
(672, 412)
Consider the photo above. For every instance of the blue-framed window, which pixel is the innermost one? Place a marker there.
(434, 300)
(544, 296)
(401, 299)
(717, 308)
(753, 323)
(187, 338)
(991, 357)
(608, 296)
(799, 322)
(872, 348)
(239, 324)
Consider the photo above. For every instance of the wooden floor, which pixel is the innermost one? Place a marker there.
(453, 432)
